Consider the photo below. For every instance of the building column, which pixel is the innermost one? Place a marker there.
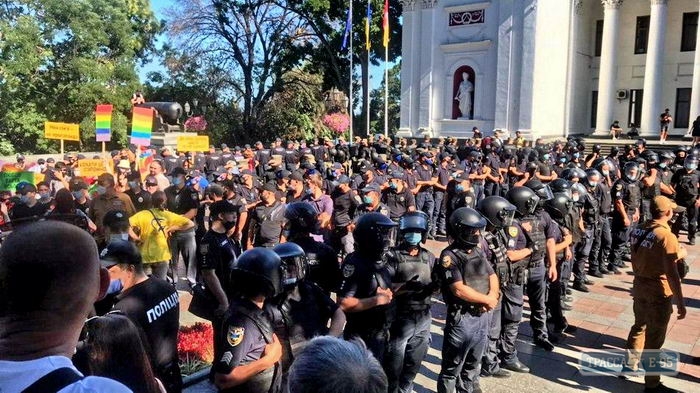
(608, 66)
(653, 71)
(425, 112)
(408, 104)
(695, 93)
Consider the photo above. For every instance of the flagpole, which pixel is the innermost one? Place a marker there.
(350, 109)
(386, 91)
(368, 22)
(368, 86)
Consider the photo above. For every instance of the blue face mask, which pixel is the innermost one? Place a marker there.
(133, 185)
(691, 167)
(459, 188)
(562, 160)
(367, 199)
(177, 181)
(429, 161)
(393, 186)
(412, 238)
(663, 165)
(576, 155)
(545, 157)
(24, 198)
(101, 190)
(77, 194)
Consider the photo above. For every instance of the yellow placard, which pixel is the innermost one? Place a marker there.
(193, 143)
(65, 131)
(91, 168)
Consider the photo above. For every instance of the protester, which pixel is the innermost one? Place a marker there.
(40, 324)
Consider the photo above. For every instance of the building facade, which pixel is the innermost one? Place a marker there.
(548, 68)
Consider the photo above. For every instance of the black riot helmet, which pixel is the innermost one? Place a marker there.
(542, 190)
(597, 148)
(301, 218)
(258, 271)
(631, 171)
(373, 234)
(559, 206)
(524, 199)
(614, 151)
(415, 221)
(497, 211)
(464, 226)
(294, 263)
(560, 185)
(652, 158)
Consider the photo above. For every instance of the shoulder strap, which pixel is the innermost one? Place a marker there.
(160, 227)
(54, 381)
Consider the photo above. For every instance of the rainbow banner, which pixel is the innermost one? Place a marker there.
(141, 126)
(103, 123)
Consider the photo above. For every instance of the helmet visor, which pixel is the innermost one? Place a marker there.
(292, 271)
(506, 217)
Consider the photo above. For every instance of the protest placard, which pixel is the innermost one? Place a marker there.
(193, 143)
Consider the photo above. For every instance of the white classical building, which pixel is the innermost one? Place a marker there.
(549, 67)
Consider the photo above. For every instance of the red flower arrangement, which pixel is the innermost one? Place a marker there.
(338, 122)
(196, 123)
(196, 343)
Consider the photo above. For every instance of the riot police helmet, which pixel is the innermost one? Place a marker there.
(631, 171)
(597, 148)
(301, 217)
(592, 177)
(614, 151)
(373, 233)
(542, 190)
(524, 199)
(497, 211)
(465, 225)
(578, 192)
(559, 206)
(691, 162)
(258, 271)
(294, 263)
(415, 221)
(560, 185)
(652, 158)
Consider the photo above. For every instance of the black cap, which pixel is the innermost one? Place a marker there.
(371, 187)
(462, 176)
(177, 171)
(283, 174)
(114, 217)
(151, 181)
(343, 179)
(296, 176)
(269, 186)
(120, 252)
(78, 184)
(396, 174)
(25, 187)
(221, 207)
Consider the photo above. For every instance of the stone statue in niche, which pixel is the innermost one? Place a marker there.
(464, 96)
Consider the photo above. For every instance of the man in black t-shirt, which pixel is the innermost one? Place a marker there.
(184, 201)
(152, 304)
(28, 209)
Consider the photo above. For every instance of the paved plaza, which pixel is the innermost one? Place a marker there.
(603, 317)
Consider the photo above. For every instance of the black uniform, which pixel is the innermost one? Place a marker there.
(140, 199)
(602, 238)
(410, 330)
(398, 202)
(361, 278)
(686, 185)
(629, 193)
(344, 207)
(467, 325)
(243, 338)
(323, 265)
(591, 217)
(266, 223)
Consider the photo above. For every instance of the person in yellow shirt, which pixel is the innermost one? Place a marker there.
(655, 256)
(152, 228)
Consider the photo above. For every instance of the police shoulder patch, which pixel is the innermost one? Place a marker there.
(348, 270)
(512, 231)
(446, 261)
(234, 336)
(618, 187)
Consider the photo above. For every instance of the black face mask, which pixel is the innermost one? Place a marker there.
(228, 225)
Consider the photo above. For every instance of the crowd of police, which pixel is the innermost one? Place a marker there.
(280, 230)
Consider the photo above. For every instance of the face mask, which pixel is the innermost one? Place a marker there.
(459, 188)
(546, 156)
(77, 194)
(393, 186)
(562, 160)
(177, 181)
(367, 199)
(691, 167)
(133, 185)
(593, 184)
(24, 198)
(575, 197)
(308, 191)
(606, 173)
(663, 165)
(101, 190)
(412, 238)
(119, 237)
(228, 225)
(429, 161)
(576, 155)
(42, 167)
(44, 195)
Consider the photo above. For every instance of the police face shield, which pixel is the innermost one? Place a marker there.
(506, 217)
(388, 236)
(293, 270)
(545, 193)
(472, 236)
(532, 204)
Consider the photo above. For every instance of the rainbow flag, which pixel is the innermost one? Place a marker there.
(145, 159)
(368, 45)
(103, 123)
(385, 23)
(141, 126)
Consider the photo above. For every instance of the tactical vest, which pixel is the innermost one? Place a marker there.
(407, 268)
(499, 259)
(687, 189)
(591, 209)
(468, 263)
(535, 236)
(633, 195)
(649, 192)
(267, 381)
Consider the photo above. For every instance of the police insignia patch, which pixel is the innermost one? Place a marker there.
(446, 261)
(234, 335)
(618, 187)
(203, 249)
(512, 231)
(348, 270)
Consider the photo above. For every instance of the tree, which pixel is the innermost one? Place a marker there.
(377, 105)
(59, 59)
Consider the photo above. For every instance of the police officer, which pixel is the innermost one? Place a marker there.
(503, 329)
(459, 193)
(685, 182)
(183, 200)
(266, 220)
(470, 290)
(372, 202)
(602, 239)
(539, 232)
(426, 176)
(397, 197)
(650, 184)
(247, 338)
(365, 292)
(302, 311)
(413, 285)
(443, 175)
(322, 264)
(626, 197)
(590, 216)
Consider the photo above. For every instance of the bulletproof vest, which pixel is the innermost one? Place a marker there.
(499, 260)
(649, 192)
(267, 381)
(591, 209)
(470, 264)
(633, 195)
(602, 194)
(535, 236)
(687, 188)
(409, 267)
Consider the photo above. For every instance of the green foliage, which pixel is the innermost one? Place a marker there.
(377, 103)
(58, 59)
